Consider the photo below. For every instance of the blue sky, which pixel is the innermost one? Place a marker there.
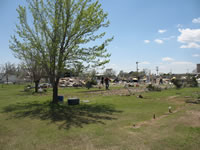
(164, 33)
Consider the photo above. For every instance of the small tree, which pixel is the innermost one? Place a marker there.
(35, 70)
(123, 75)
(91, 79)
(31, 61)
(191, 81)
(178, 83)
(6, 70)
(2, 73)
(22, 72)
(110, 73)
(60, 34)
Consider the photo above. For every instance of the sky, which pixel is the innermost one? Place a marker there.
(163, 33)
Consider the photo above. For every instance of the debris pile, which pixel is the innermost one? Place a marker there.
(71, 82)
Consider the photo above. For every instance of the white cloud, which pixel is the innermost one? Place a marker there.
(145, 63)
(166, 67)
(196, 20)
(182, 63)
(190, 37)
(162, 31)
(146, 41)
(167, 59)
(179, 26)
(168, 38)
(177, 67)
(159, 41)
(196, 55)
(191, 45)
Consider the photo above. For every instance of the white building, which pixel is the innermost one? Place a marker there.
(10, 79)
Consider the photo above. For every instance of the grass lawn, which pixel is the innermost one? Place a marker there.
(30, 121)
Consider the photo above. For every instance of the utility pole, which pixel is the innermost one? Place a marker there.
(137, 66)
(137, 69)
(157, 69)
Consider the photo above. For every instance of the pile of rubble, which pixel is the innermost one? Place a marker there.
(71, 82)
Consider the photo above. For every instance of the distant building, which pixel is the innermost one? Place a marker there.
(198, 68)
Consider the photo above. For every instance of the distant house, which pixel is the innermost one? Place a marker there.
(1, 77)
(10, 79)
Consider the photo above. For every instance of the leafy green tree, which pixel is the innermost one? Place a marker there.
(62, 33)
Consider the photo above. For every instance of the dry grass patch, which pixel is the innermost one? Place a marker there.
(191, 118)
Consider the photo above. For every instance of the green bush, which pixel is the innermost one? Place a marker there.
(90, 83)
(192, 82)
(178, 83)
(150, 87)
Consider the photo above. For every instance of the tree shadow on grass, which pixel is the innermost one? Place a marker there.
(63, 114)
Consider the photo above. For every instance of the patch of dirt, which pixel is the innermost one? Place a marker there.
(119, 92)
(153, 121)
(172, 97)
(150, 122)
(191, 118)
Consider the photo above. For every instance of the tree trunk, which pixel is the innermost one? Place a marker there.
(36, 85)
(7, 78)
(55, 91)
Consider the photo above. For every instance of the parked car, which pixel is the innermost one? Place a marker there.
(45, 85)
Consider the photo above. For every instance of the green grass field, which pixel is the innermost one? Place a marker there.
(30, 121)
